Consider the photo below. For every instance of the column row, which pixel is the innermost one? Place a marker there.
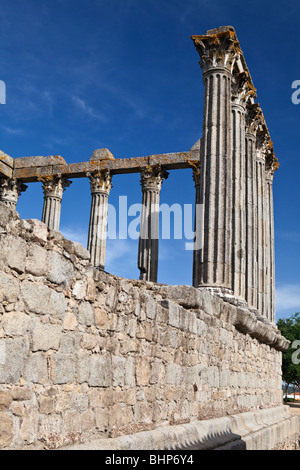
(237, 255)
(101, 184)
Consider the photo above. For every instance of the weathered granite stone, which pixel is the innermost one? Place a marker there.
(79, 289)
(9, 288)
(16, 323)
(36, 369)
(69, 321)
(12, 355)
(45, 336)
(102, 154)
(32, 293)
(36, 262)
(15, 252)
(5, 399)
(60, 271)
(85, 314)
(6, 429)
(25, 162)
(38, 230)
(100, 371)
(6, 159)
(63, 368)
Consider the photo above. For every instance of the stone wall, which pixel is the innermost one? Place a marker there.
(86, 355)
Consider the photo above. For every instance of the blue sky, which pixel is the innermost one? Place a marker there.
(124, 74)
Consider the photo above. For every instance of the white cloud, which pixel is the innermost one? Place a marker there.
(13, 130)
(288, 297)
(291, 236)
(84, 107)
(75, 235)
(121, 258)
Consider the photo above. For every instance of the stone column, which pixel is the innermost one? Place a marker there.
(239, 86)
(252, 121)
(270, 167)
(151, 181)
(100, 183)
(53, 188)
(197, 225)
(217, 53)
(262, 259)
(10, 190)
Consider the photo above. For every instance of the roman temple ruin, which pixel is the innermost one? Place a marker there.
(89, 357)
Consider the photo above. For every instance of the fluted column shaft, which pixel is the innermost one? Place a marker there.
(217, 53)
(271, 165)
(100, 188)
(53, 188)
(197, 225)
(261, 235)
(10, 190)
(238, 197)
(251, 221)
(151, 181)
(214, 259)
(271, 254)
(266, 165)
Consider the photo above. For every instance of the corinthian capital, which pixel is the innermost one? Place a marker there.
(152, 177)
(217, 48)
(254, 118)
(242, 88)
(196, 167)
(100, 181)
(54, 186)
(272, 164)
(264, 144)
(10, 190)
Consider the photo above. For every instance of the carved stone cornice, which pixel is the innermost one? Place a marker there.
(10, 190)
(152, 177)
(54, 186)
(218, 49)
(100, 181)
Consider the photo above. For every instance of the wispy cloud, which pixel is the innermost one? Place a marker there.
(27, 99)
(288, 297)
(121, 258)
(291, 236)
(88, 110)
(75, 234)
(13, 130)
